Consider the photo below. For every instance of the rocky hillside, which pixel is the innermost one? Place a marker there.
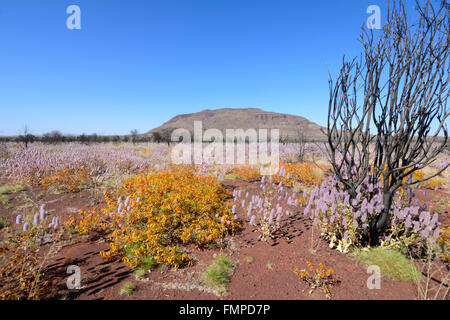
(290, 126)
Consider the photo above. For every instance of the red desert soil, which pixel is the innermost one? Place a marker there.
(291, 249)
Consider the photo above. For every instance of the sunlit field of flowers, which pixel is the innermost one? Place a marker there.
(128, 205)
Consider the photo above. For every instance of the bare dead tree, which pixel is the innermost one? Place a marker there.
(26, 137)
(284, 139)
(398, 87)
(134, 136)
(300, 141)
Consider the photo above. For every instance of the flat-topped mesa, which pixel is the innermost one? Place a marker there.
(290, 126)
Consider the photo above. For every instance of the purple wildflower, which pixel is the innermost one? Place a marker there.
(19, 219)
(36, 219)
(252, 220)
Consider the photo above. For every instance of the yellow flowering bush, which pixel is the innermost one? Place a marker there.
(430, 184)
(444, 241)
(22, 273)
(68, 179)
(246, 173)
(304, 172)
(161, 214)
(317, 277)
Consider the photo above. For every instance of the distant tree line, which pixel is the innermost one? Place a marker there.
(55, 137)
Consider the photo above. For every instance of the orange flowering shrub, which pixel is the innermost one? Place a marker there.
(162, 212)
(304, 172)
(69, 180)
(444, 241)
(319, 277)
(86, 221)
(432, 183)
(22, 273)
(246, 173)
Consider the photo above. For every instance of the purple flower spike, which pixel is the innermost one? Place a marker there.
(42, 212)
(425, 232)
(252, 220)
(36, 219)
(436, 233)
(249, 210)
(56, 223)
(25, 226)
(344, 222)
(408, 222)
(19, 219)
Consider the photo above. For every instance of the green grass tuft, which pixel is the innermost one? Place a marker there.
(6, 189)
(218, 274)
(128, 288)
(147, 263)
(249, 259)
(269, 265)
(140, 273)
(4, 199)
(392, 263)
(231, 176)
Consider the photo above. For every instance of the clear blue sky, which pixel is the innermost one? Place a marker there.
(135, 64)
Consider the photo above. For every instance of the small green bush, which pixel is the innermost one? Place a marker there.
(128, 288)
(147, 263)
(392, 263)
(218, 273)
(11, 189)
(4, 199)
